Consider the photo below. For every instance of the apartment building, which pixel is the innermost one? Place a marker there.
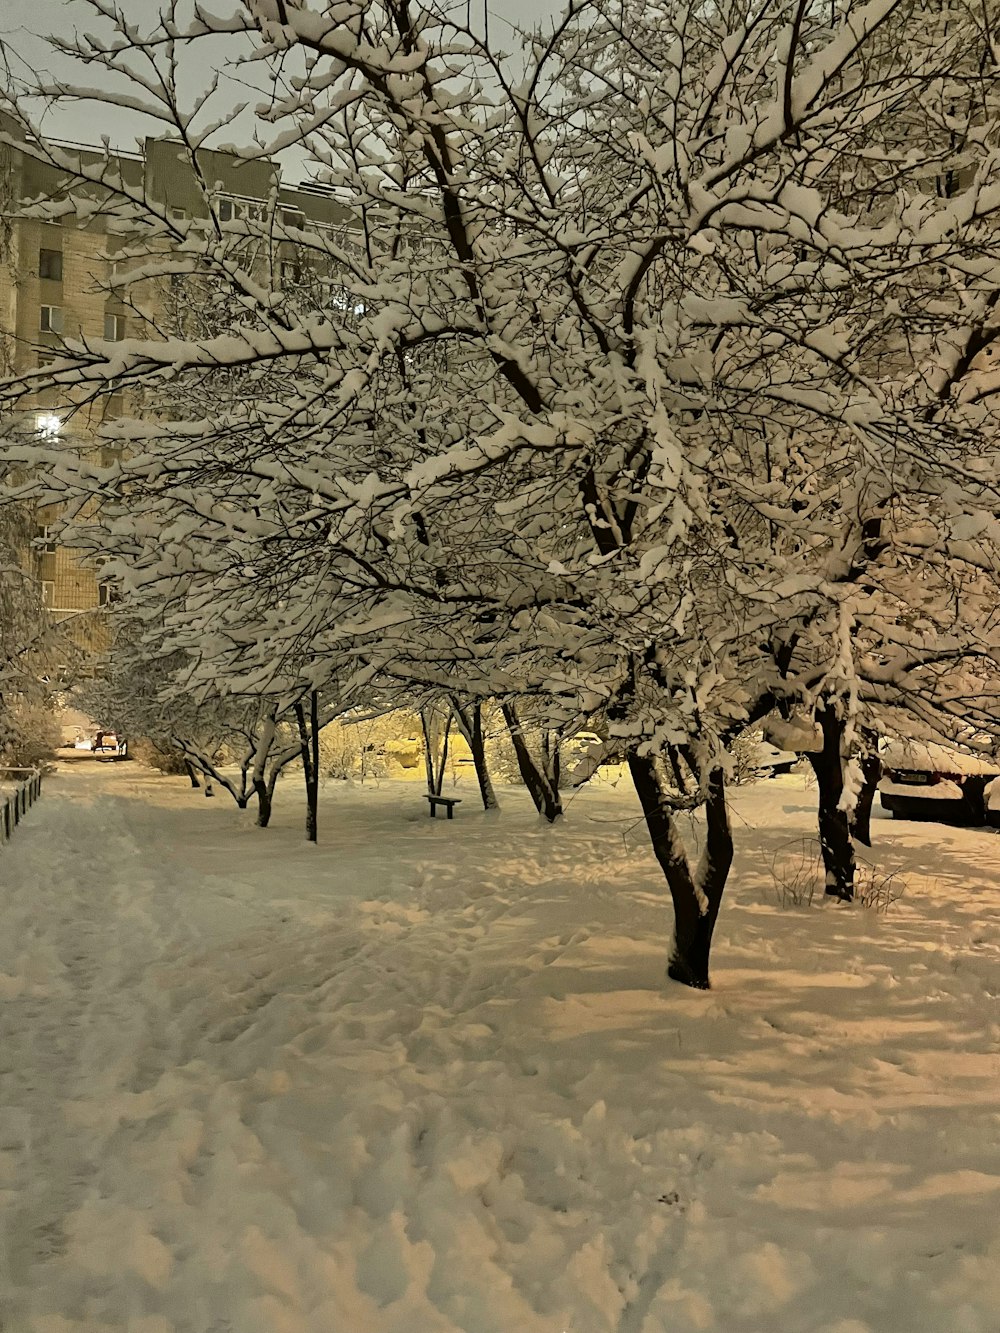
(58, 280)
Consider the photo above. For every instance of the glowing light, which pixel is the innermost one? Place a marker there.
(47, 424)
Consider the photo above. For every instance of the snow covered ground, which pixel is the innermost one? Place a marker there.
(427, 1077)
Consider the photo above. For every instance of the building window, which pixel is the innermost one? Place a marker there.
(291, 273)
(45, 541)
(107, 594)
(48, 592)
(250, 210)
(114, 328)
(291, 217)
(51, 319)
(50, 265)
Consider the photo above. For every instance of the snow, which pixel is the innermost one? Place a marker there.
(937, 759)
(427, 1077)
(797, 733)
(767, 755)
(938, 791)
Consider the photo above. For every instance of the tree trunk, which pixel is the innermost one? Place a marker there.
(262, 748)
(675, 768)
(312, 811)
(439, 783)
(696, 900)
(552, 758)
(314, 746)
(308, 740)
(201, 763)
(543, 793)
(429, 747)
(470, 724)
(192, 773)
(871, 771)
(435, 769)
(483, 776)
(834, 825)
(263, 802)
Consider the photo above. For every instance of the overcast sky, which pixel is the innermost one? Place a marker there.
(24, 22)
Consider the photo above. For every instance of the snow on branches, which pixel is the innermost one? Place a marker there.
(642, 370)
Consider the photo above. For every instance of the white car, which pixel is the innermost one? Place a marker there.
(770, 760)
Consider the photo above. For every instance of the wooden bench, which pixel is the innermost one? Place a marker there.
(449, 803)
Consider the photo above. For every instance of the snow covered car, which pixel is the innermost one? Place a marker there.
(770, 761)
(929, 781)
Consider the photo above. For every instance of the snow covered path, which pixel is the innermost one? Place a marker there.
(87, 917)
(426, 1077)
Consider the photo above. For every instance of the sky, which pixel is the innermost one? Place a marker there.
(24, 24)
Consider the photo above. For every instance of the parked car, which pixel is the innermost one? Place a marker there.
(922, 780)
(770, 761)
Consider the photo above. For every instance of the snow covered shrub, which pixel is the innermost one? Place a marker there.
(744, 753)
(405, 753)
(170, 761)
(31, 736)
(370, 747)
(337, 752)
(797, 873)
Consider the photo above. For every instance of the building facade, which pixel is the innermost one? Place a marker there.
(61, 277)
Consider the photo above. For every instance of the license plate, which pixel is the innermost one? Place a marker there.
(914, 779)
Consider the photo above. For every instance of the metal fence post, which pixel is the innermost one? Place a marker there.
(26, 791)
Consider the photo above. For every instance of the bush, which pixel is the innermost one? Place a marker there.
(31, 736)
(368, 748)
(798, 877)
(744, 757)
(164, 760)
(797, 873)
(876, 889)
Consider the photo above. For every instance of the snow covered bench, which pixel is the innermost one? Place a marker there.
(449, 803)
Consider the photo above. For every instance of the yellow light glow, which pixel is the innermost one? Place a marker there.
(47, 424)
